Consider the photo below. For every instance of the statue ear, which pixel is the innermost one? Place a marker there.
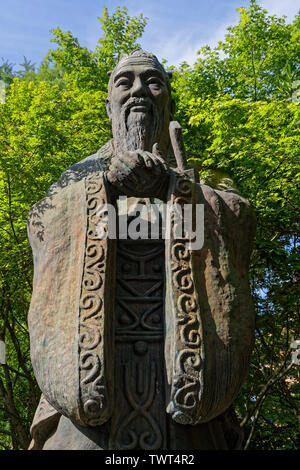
(108, 108)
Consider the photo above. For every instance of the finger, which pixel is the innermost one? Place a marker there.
(113, 177)
(156, 150)
(147, 158)
(159, 164)
(132, 174)
(151, 162)
(132, 159)
(119, 170)
(130, 169)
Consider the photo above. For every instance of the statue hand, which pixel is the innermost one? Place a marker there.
(138, 173)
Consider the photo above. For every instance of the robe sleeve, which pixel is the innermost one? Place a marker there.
(69, 321)
(209, 309)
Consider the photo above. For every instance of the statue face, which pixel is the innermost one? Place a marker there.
(139, 87)
(139, 105)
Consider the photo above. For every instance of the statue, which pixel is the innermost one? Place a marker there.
(145, 343)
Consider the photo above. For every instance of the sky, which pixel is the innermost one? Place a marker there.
(175, 31)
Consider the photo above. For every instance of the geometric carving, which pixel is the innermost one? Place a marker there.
(138, 422)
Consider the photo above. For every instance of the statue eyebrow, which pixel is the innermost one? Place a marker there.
(129, 73)
(124, 73)
(153, 72)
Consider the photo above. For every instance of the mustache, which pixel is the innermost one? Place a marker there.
(137, 102)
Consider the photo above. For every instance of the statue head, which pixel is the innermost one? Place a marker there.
(139, 103)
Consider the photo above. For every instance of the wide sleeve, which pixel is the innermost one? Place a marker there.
(209, 308)
(70, 324)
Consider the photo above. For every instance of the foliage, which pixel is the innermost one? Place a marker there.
(89, 69)
(259, 59)
(240, 123)
(257, 144)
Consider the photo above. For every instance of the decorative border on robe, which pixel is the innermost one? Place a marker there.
(95, 316)
(187, 358)
(208, 341)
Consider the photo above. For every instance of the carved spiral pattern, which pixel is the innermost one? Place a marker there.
(179, 251)
(188, 365)
(91, 314)
(89, 337)
(186, 304)
(183, 187)
(127, 437)
(186, 396)
(94, 184)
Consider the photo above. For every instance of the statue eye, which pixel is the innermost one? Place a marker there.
(124, 83)
(154, 82)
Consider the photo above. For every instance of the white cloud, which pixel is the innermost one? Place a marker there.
(179, 39)
(289, 8)
(184, 44)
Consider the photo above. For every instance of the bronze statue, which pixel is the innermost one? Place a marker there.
(138, 344)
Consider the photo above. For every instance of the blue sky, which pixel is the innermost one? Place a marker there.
(176, 29)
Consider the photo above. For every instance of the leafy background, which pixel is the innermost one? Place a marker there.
(239, 109)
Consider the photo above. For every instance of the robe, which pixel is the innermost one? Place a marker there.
(208, 311)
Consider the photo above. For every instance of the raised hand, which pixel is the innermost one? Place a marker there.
(139, 173)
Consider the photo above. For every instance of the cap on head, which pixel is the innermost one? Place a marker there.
(139, 56)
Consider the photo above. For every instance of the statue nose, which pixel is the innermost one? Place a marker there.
(138, 88)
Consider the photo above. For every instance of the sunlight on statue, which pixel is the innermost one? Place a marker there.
(139, 342)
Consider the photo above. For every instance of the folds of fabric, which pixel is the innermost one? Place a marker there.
(70, 336)
(209, 311)
(209, 319)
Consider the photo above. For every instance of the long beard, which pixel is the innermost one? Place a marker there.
(135, 130)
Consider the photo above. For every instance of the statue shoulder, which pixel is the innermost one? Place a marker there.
(231, 216)
(218, 183)
(98, 161)
(229, 202)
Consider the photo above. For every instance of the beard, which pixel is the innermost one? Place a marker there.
(133, 130)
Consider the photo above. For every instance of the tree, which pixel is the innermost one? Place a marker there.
(241, 130)
(256, 144)
(258, 59)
